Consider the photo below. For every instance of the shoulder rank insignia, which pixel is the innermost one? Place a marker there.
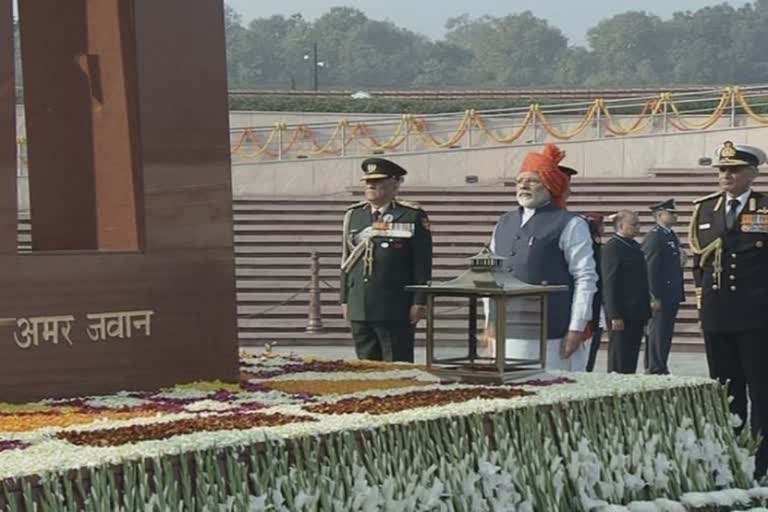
(357, 205)
(408, 204)
(710, 196)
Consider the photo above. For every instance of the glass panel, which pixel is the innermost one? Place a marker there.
(523, 334)
(453, 336)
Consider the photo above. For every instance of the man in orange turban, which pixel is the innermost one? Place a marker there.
(545, 165)
(543, 243)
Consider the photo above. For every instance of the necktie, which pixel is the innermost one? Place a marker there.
(375, 215)
(733, 213)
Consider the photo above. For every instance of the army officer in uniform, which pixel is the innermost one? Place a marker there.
(665, 279)
(729, 238)
(387, 245)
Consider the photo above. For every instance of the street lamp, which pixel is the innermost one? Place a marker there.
(315, 64)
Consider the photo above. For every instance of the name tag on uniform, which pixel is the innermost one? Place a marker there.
(754, 223)
(705, 226)
(393, 230)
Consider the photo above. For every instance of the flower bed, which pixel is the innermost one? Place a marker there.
(338, 435)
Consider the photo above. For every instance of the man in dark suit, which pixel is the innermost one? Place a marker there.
(387, 245)
(729, 239)
(664, 258)
(625, 293)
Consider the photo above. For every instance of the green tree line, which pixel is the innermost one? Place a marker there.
(721, 44)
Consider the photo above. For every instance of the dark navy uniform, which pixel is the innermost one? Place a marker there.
(380, 258)
(664, 259)
(625, 297)
(730, 269)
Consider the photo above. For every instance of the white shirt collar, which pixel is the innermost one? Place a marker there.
(528, 214)
(381, 209)
(742, 198)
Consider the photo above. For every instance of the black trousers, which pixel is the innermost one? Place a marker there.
(384, 341)
(624, 347)
(659, 342)
(740, 358)
(593, 348)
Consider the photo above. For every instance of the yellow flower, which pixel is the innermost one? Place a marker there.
(6, 408)
(341, 387)
(29, 422)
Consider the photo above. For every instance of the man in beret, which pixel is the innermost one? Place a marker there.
(729, 239)
(387, 245)
(543, 243)
(665, 260)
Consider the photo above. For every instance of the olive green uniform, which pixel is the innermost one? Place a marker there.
(379, 259)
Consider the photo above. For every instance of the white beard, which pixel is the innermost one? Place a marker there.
(533, 200)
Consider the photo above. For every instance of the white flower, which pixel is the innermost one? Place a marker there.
(257, 503)
(182, 394)
(303, 500)
(642, 506)
(209, 405)
(487, 470)
(115, 402)
(758, 493)
(669, 505)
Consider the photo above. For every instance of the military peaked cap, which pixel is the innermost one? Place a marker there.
(380, 168)
(668, 205)
(729, 154)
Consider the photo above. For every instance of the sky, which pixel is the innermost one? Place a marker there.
(573, 17)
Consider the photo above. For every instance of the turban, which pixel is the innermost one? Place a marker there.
(545, 165)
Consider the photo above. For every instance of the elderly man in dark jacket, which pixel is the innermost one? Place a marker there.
(625, 293)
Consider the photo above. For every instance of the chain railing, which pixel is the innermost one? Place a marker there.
(597, 119)
(313, 288)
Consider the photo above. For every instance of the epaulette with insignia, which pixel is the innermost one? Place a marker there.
(408, 204)
(357, 205)
(710, 196)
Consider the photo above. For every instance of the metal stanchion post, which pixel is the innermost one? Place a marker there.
(315, 319)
